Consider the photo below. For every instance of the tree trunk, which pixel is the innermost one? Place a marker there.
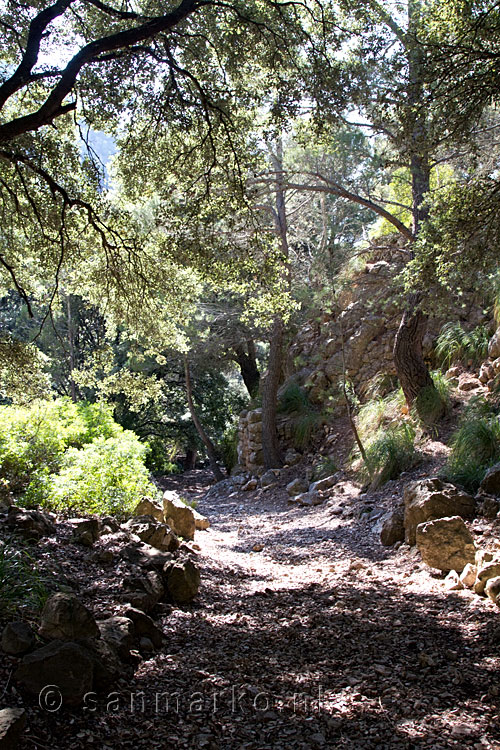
(211, 452)
(247, 363)
(270, 444)
(270, 384)
(71, 344)
(409, 362)
(408, 353)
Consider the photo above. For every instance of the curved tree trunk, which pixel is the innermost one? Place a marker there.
(247, 362)
(212, 454)
(270, 384)
(408, 354)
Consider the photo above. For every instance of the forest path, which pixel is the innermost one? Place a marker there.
(308, 633)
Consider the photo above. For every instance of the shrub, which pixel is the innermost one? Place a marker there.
(159, 457)
(294, 401)
(432, 403)
(475, 446)
(325, 467)
(380, 412)
(454, 344)
(391, 452)
(21, 584)
(35, 438)
(228, 447)
(105, 476)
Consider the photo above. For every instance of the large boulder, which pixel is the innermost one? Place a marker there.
(63, 664)
(118, 632)
(183, 581)
(144, 555)
(64, 617)
(17, 638)
(492, 590)
(491, 482)
(12, 723)
(430, 499)
(155, 533)
(201, 522)
(446, 544)
(178, 515)
(107, 666)
(85, 530)
(494, 345)
(30, 524)
(144, 592)
(324, 484)
(393, 529)
(148, 507)
(144, 626)
(297, 486)
(484, 574)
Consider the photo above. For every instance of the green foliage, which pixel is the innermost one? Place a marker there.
(159, 459)
(391, 452)
(475, 446)
(294, 401)
(228, 447)
(33, 439)
(434, 401)
(64, 455)
(380, 412)
(105, 476)
(21, 583)
(454, 344)
(325, 467)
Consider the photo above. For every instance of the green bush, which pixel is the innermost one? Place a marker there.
(159, 457)
(21, 584)
(228, 447)
(35, 438)
(432, 403)
(454, 345)
(325, 467)
(71, 456)
(391, 452)
(294, 401)
(105, 476)
(475, 446)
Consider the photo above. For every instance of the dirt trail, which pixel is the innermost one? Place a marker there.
(322, 639)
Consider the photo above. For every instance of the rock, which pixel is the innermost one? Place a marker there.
(143, 592)
(430, 499)
(468, 385)
(446, 544)
(201, 522)
(393, 529)
(468, 575)
(308, 499)
(31, 524)
(488, 507)
(145, 556)
(483, 557)
(64, 664)
(183, 581)
(109, 525)
(118, 632)
(494, 345)
(484, 574)
(104, 556)
(250, 485)
(85, 530)
(178, 515)
(144, 626)
(492, 589)
(269, 478)
(17, 638)
(107, 666)
(12, 723)
(453, 372)
(324, 484)
(64, 617)
(157, 534)
(453, 582)
(491, 481)
(292, 457)
(148, 507)
(146, 645)
(297, 487)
